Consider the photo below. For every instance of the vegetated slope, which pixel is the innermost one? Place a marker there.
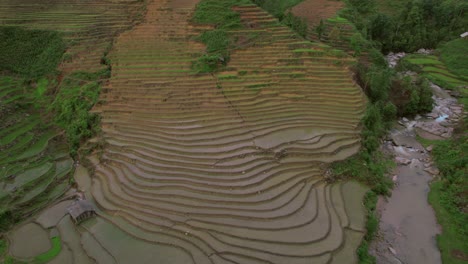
(324, 23)
(228, 168)
(434, 69)
(34, 160)
(87, 26)
(33, 163)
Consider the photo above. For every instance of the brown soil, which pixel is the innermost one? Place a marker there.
(459, 255)
(315, 10)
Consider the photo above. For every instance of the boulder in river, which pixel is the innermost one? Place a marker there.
(402, 161)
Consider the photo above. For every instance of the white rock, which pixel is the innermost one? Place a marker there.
(433, 171)
(402, 161)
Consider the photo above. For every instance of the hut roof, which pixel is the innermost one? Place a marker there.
(79, 207)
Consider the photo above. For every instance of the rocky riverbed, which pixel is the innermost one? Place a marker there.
(408, 226)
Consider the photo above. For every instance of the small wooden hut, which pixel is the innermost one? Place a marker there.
(81, 210)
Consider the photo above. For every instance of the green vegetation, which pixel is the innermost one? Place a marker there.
(42, 258)
(408, 27)
(449, 197)
(372, 225)
(78, 93)
(435, 70)
(31, 53)
(52, 253)
(277, 8)
(454, 61)
(280, 9)
(420, 96)
(218, 41)
(416, 24)
(3, 246)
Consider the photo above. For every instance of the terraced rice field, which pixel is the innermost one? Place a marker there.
(215, 168)
(34, 159)
(34, 162)
(224, 168)
(316, 10)
(326, 10)
(436, 71)
(89, 26)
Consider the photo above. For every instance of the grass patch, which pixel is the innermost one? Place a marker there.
(449, 196)
(451, 54)
(21, 129)
(368, 170)
(372, 225)
(3, 246)
(277, 7)
(280, 9)
(52, 253)
(38, 147)
(31, 53)
(218, 41)
(450, 241)
(42, 258)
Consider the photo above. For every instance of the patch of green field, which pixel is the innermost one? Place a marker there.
(32, 53)
(451, 240)
(52, 253)
(32, 174)
(438, 70)
(37, 147)
(23, 128)
(3, 246)
(338, 19)
(443, 80)
(20, 144)
(448, 197)
(42, 258)
(62, 168)
(451, 53)
(435, 70)
(218, 41)
(423, 60)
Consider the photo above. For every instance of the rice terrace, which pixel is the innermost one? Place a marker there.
(215, 131)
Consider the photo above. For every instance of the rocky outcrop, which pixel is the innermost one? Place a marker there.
(393, 58)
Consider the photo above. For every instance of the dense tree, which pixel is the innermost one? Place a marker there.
(421, 24)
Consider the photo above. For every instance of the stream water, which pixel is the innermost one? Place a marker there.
(408, 226)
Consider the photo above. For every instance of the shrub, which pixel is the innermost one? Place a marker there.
(207, 63)
(218, 42)
(296, 23)
(72, 104)
(420, 96)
